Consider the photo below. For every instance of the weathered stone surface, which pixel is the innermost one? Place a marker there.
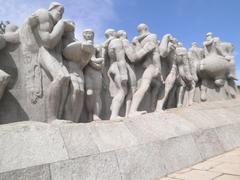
(229, 136)
(33, 173)
(149, 127)
(141, 162)
(208, 143)
(29, 144)
(112, 135)
(141, 147)
(179, 151)
(102, 166)
(78, 140)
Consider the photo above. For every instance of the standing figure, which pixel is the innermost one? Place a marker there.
(184, 77)
(117, 71)
(151, 62)
(93, 79)
(132, 81)
(195, 54)
(78, 55)
(48, 29)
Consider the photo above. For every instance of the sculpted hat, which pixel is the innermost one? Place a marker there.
(54, 5)
(88, 30)
(209, 34)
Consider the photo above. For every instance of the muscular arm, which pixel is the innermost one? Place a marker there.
(51, 39)
(11, 37)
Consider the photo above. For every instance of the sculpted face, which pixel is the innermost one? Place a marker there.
(122, 34)
(142, 29)
(57, 12)
(194, 44)
(88, 35)
(110, 33)
(209, 36)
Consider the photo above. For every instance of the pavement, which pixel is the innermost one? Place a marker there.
(222, 167)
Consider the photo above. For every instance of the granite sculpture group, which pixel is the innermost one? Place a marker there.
(86, 80)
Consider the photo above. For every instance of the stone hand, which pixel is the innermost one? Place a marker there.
(69, 26)
(33, 20)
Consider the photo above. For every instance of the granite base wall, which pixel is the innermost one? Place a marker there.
(143, 147)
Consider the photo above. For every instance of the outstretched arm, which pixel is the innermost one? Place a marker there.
(11, 37)
(50, 40)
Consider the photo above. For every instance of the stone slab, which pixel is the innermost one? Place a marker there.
(78, 140)
(102, 166)
(208, 143)
(28, 144)
(33, 173)
(141, 162)
(142, 147)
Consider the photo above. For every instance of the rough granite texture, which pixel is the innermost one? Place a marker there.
(144, 147)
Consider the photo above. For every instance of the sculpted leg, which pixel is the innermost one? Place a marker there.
(98, 105)
(75, 99)
(90, 103)
(139, 94)
(181, 93)
(169, 83)
(203, 89)
(155, 93)
(56, 93)
(4, 79)
(65, 92)
(191, 93)
(117, 102)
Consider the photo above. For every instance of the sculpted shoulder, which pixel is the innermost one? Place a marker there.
(152, 37)
(42, 14)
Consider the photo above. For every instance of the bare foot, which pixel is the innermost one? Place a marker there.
(116, 118)
(59, 121)
(137, 113)
(96, 118)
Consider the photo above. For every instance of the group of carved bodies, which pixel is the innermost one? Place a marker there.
(79, 70)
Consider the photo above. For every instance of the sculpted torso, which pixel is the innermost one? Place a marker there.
(150, 38)
(45, 24)
(116, 50)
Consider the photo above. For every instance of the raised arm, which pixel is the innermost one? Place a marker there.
(50, 40)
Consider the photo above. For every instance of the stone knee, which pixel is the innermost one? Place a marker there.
(219, 82)
(89, 92)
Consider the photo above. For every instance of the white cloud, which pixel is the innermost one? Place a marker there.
(93, 14)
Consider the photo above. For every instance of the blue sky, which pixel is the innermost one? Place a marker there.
(187, 20)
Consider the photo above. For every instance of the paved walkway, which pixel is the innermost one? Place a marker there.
(223, 167)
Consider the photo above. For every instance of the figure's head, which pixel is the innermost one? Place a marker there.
(122, 34)
(56, 10)
(216, 39)
(194, 44)
(142, 29)
(209, 35)
(11, 28)
(110, 33)
(88, 34)
(180, 44)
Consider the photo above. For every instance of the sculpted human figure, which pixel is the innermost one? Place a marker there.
(195, 54)
(184, 78)
(78, 55)
(117, 72)
(48, 29)
(132, 82)
(218, 65)
(93, 79)
(10, 36)
(4, 77)
(151, 63)
(179, 73)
